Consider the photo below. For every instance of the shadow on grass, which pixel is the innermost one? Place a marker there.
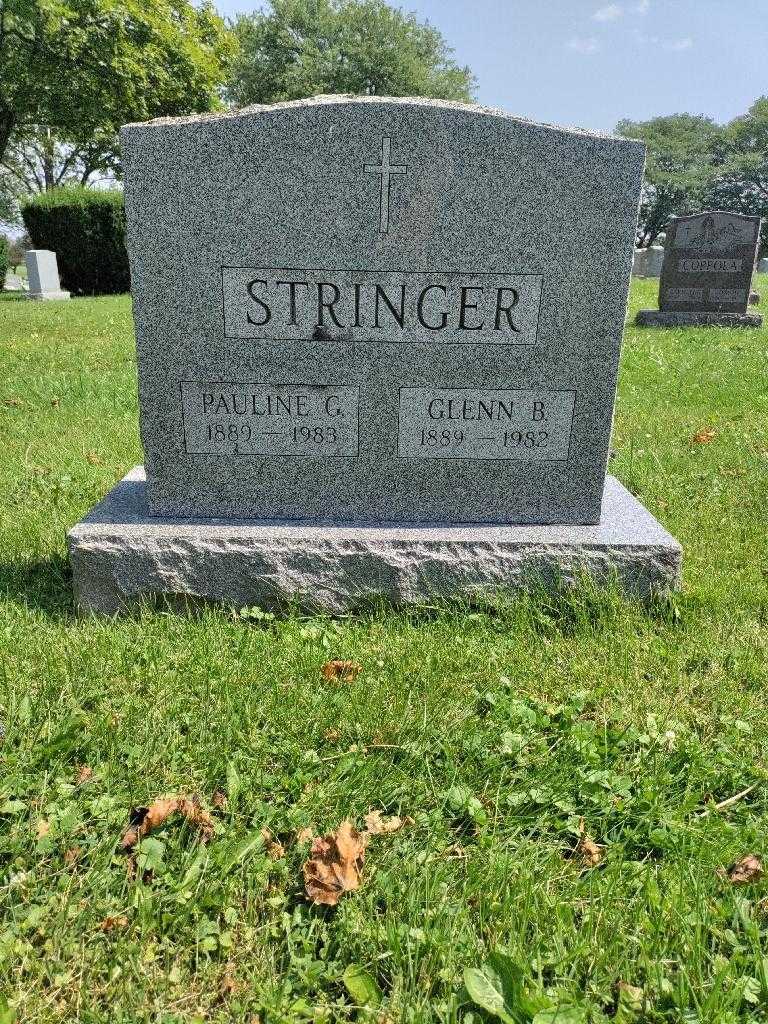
(44, 584)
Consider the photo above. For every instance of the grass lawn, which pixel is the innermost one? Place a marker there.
(494, 728)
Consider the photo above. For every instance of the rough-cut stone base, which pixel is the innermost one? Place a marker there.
(119, 553)
(659, 318)
(47, 296)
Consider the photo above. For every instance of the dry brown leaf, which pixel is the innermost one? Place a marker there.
(110, 924)
(375, 825)
(72, 856)
(587, 850)
(229, 984)
(335, 865)
(346, 671)
(14, 403)
(94, 458)
(146, 819)
(704, 436)
(275, 849)
(84, 774)
(220, 800)
(305, 835)
(55, 402)
(748, 869)
(332, 735)
(42, 828)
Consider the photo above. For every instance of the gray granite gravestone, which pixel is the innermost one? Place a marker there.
(707, 272)
(43, 275)
(648, 262)
(363, 326)
(762, 266)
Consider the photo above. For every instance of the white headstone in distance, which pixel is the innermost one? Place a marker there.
(43, 275)
(655, 259)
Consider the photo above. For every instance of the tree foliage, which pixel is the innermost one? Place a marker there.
(84, 67)
(86, 229)
(683, 150)
(695, 164)
(299, 48)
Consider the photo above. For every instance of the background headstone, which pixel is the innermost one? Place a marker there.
(648, 262)
(707, 272)
(762, 266)
(43, 275)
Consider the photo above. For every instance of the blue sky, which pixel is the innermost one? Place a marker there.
(589, 63)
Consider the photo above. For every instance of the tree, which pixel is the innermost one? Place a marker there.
(41, 161)
(84, 67)
(741, 184)
(684, 152)
(300, 48)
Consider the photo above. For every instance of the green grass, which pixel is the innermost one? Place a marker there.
(495, 728)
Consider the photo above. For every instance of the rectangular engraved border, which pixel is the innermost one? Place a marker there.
(264, 384)
(378, 341)
(458, 458)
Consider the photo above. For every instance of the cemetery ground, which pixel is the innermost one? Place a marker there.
(493, 731)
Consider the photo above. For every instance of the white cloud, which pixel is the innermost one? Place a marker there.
(585, 46)
(608, 13)
(677, 45)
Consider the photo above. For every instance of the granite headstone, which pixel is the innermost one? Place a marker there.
(43, 275)
(375, 310)
(707, 272)
(380, 318)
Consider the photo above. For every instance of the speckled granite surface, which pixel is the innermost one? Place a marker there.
(120, 553)
(519, 234)
(661, 318)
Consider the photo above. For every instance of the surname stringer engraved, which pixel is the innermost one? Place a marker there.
(385, 170)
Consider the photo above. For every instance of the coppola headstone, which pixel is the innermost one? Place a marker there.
(377, 344)
(707, 272)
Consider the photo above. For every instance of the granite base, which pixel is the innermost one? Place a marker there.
(47, 296)
(660, 318)
(119, 554)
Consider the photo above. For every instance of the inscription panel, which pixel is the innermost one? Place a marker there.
(232, 418)
(264, 303)
(470, 423)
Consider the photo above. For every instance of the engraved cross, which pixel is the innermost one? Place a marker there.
(385, 169)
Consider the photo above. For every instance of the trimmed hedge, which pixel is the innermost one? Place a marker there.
(3, 260)
(85, 227)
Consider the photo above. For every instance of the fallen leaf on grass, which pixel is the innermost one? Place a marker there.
(220, 800)
(275, 849)
(587, 850)
(72, 856)
(94, 458)
(630, 997)
(110, 924)
(305, 835)
(375, 825)
(84, 774)
(335, 865)
(229, 984)
(346, 671)
(55, 402)
(42, 828)
(14, 403)
(146, 819)
(748, 869)
(704, 436)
